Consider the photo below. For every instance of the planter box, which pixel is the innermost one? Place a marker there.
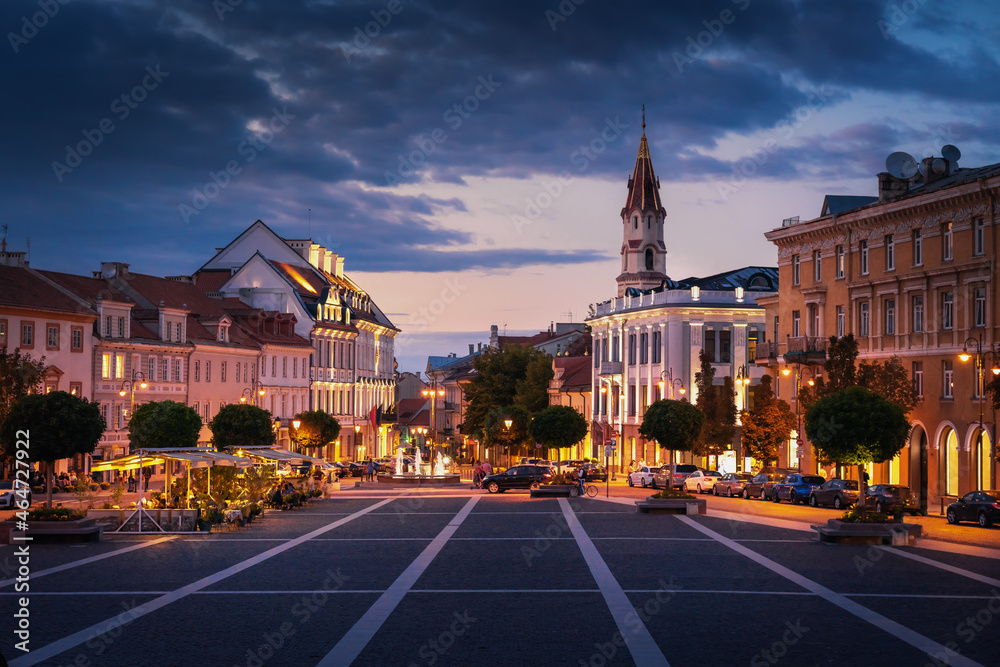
(843, 532)
(671, 506)
(170, 520)
(49, 532)
(554, 491)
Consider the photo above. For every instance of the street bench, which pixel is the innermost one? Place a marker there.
(671, 506)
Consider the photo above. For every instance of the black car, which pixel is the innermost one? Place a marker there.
(517, 477)
(841, 493)
(595, 473)
(981, 506)
(891, 498)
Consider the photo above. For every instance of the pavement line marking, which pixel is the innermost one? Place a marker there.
(634, 632)
(957, 548)
(944, 566)
(928, 646)
(77, 638)
(90, 559)
(356, 639)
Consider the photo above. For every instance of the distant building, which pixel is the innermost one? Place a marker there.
(646, 341)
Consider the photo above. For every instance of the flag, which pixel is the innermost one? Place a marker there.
(372, 417)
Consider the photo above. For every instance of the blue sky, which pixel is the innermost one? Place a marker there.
(468, 159)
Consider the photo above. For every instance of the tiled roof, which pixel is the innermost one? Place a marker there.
(643, 187)
(577, 373)
(211, 281)
(23, 288)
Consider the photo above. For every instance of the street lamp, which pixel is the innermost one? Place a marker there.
(255, 386)
(669, 375)
(433, 394)
(980, 389)
(798, 416)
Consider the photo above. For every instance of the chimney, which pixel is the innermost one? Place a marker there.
(494, 336)
(890, 187)
(12, 258)
(472, 348)
(935, 168)
(339, 267)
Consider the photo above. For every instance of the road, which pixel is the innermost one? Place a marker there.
(466, 578)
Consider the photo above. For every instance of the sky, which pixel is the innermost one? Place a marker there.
(469, 159)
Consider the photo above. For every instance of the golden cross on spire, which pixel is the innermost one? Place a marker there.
(643, 120)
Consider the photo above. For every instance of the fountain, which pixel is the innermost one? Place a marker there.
(425, 473)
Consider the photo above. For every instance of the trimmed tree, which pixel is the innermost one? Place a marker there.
(20, 375)
(767, 425)
(316, 429)
(718, 404)
(513, 376)
(58, 425)
(674, 425)
(855, 427)
(558, 426)
(239, 425)
(497, 434)
(163, 424)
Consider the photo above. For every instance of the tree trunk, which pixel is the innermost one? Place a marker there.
(862, 491)
(49, 465)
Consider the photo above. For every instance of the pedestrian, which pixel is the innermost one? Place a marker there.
(371, 470)
(131, 483)
(487, 469)
(477, 475)
(145, 481)
(581, 475)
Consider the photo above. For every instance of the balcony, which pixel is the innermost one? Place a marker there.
(611, 368)
(767, 354)
(810, 350)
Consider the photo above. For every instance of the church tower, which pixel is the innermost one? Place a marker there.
(644, 255)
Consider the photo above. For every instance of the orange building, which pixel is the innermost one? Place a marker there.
(909, 273)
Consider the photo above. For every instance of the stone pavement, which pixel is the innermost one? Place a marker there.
(439, 578)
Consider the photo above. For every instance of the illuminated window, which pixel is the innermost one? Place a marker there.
(119, 366)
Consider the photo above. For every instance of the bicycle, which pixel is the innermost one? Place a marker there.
(590, 489)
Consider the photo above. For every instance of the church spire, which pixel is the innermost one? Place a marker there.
(643, 187)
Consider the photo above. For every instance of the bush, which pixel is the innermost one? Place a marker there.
(38, 490)
(96, 487)
(105, 486)
(317, 493)
(560, 478)
(672, 493)
(55, 514)
(854, 516)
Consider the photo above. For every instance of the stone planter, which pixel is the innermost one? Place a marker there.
(555, 491)
(170, 520)
(653, 505)
(48, 532)
(845, 532)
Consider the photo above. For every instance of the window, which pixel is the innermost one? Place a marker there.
(170, 330)
(752, 344)
(918, 378)
(27, 334)
(979, 307)
(644, 348)
(918, 313)
(890, 316)
(947, 310)
(840, 261)
(3, 334)
(948, 375)
(631, 400)
(295, 367)
(863, 319)
(106, 365)
(263, 366)
(709, 346)
(151, 369)
(76, 339)
(208, 371)
(725, 346)
(222, 372)
(918, 248)
(615, 349)
(119, 366)
(107, 326)
(795, 269)
(817, 266)
(284, 367)
(274, 366)
(165, 370)
(657, 347)
(177, 371)
(52, 337)
(890, 253)
(121, 327)
(631, 349)
(978, 237)
(795, 324)
(597, 353)
(195, 406)
(179, 333)
(207, 408)
(947, 242)
(197, 371)
(245, 369)
(841, 322)
(774, 334)
(76, 388)
(863, 248)
(649, 259)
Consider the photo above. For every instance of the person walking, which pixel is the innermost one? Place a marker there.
(371, 470)
(486, 469)
(477, 475)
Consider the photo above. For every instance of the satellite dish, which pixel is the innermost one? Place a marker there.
(901, 165)
(951, 153)
(939, 166)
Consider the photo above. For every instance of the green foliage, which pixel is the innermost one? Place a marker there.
(60, 425)
(496, 433)
(19, 376)
(841, 354)
(765, 428)
(672, 493)
(317, 429)
(890, 380)
(239, 425)
(558, 426)
(857, 516)
(225, 484)
(514, 376)
(163, 424)
(718, 404)
(255, 483)
(855, 427)
(55, 514)
(674, 425)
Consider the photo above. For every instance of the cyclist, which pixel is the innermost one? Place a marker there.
(581, 475)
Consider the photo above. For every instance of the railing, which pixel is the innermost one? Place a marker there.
(808, 344)
(767, 351)
(611, 368)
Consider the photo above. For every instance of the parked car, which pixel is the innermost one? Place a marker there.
(891, 498)
(595, 473)
(9, 496)
(517, 477)
(760, 485)
(841, 493)
(981, 506)
(680, 474)
(796, 487)
(731, 484)
(644, 476)
(701, 481)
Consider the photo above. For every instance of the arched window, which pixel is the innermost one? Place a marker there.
(635, 222)
(649, 259)
(950, 455)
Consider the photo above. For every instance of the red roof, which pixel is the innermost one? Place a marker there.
(577, 372)
(643, 187)
(23, 288)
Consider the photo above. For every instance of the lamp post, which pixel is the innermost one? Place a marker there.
(674, 382)
(296, 423)
(798, 416)
(357, 430)
(977, 341)
(128, 386)
(743, 380)
(256, 388)
(433, 394)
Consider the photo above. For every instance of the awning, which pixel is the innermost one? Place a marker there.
(197, 458)
(281, 456)
(131, 462)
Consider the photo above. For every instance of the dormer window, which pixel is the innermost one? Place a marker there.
(170, 330)
(223, 334)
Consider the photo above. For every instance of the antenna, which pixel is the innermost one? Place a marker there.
(310, 224)
(901, 165)
(3, 242)
(28, 239)
(951, 153)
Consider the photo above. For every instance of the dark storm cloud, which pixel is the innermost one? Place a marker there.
(436, 91)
